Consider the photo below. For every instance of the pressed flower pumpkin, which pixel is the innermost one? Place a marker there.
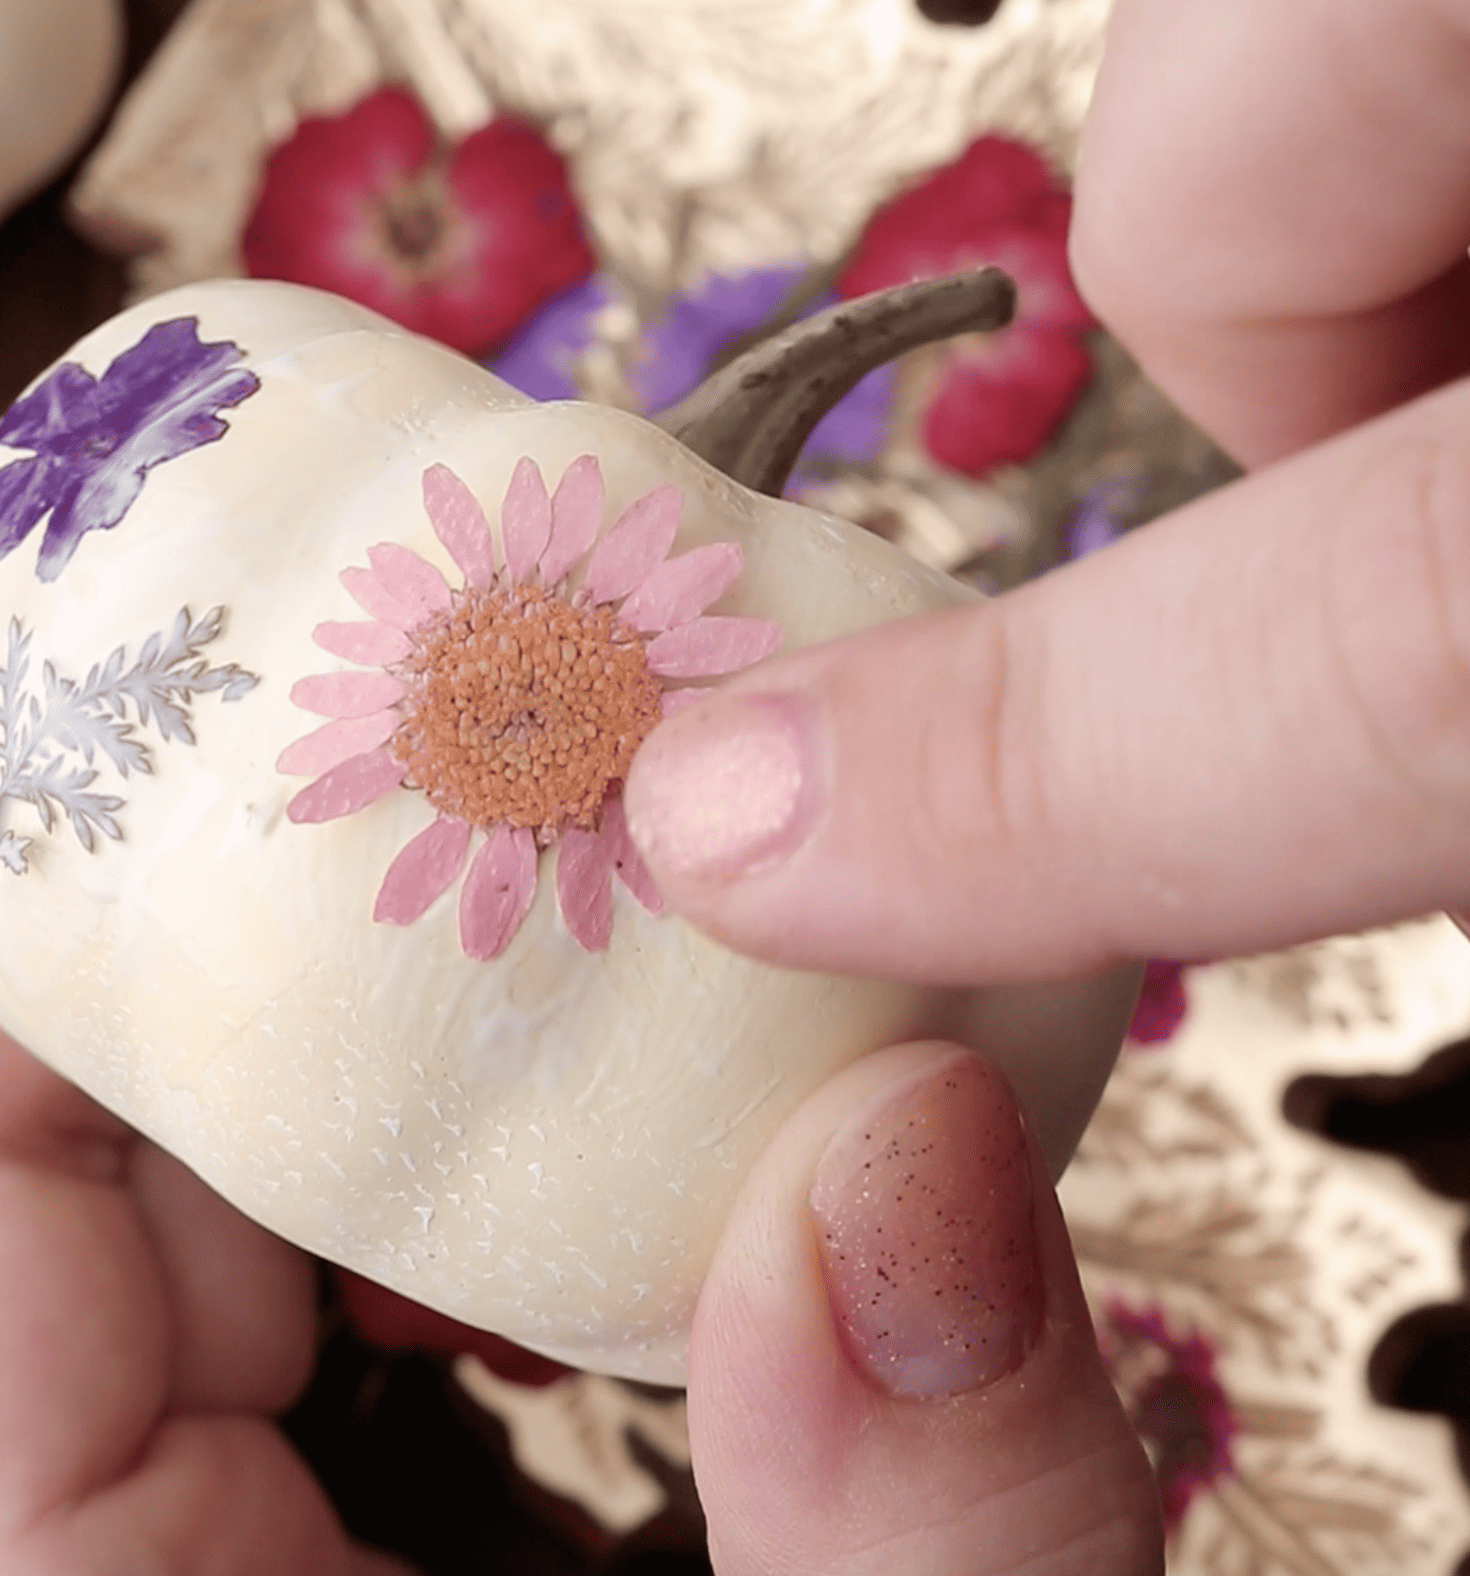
(327, 652)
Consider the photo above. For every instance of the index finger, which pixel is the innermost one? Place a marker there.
(1273, 208)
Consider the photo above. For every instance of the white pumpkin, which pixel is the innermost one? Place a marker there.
(59, 61)
(543, 1143)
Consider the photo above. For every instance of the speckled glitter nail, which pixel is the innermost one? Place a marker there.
(924, 1215)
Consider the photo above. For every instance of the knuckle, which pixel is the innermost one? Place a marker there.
(974, 796)
(1398, 609)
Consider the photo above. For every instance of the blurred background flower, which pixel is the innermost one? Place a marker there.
(457, 242)
(997, 397)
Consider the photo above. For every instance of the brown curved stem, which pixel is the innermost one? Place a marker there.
(751, 417)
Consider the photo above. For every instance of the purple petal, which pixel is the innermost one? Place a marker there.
(539, 360)
(372, 645)
(459, 522)
(626, 859)
(576, 515)
(347, 788)
(375, 599)
(497, 892)
(525, 521)
(712, 645)
(409, 580)
(157, 401)
(682, 346)
(347, 694)
(28, 488)
(681, 588)
(584, 887)
(640, 539)
(62, 409)
(423, 870)
(335, 742)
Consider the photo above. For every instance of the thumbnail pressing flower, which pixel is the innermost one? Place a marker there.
(515, 704)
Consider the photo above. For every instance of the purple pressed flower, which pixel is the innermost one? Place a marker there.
(539, 359)
(94, 440)
(679, 349)
(1097, 521)
(682, 346)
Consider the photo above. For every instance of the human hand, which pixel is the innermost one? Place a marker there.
(1245, 726)
(147, 1334)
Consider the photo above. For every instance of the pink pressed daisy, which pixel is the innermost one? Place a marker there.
(516, 703)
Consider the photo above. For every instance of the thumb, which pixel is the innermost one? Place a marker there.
(892, 1367)
(1243, 726)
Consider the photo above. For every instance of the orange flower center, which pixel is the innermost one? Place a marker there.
(524, 709)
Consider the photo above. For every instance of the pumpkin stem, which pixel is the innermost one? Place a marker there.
(751, 417)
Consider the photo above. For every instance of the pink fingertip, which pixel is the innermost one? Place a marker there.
(347, 788)
(409, 580)
(711, 646)
(584, 887)
(576, 517)
(640, 539)
(374, 645)
(497, 892)
(680, 589)
(459, 522)
(347, 694)
(525, 521)
(338, 741)
(626, 859)
(423, 869)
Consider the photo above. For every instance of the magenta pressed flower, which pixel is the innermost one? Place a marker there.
(1162, 1002)
(1174, 1400)
(460, 243)
(516, 702)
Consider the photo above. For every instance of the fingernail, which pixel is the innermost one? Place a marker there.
(926, 1227)
(725, 789)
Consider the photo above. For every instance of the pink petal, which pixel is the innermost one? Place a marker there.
(347, 788)
(338, 741)
(712, 645)
(681, 588)
(423, 869)
(497, 892)
(640, 538)
(374, 599)
(409, 580)
(576, 515)
(347, 694)
(374, 645)
(584, 887)
(459, 522)
(626, 859)
(672, 702)
(525, 521)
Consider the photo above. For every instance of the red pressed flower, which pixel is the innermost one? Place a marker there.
(461, 243)
(1000, 396)
(998, 403)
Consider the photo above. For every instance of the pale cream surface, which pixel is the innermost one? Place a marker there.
(544, 1145)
